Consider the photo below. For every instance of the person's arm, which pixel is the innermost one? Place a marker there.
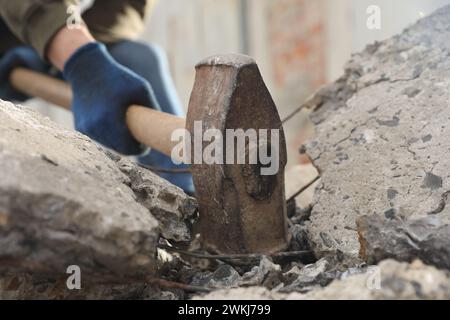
(65, 43)
(113, 20)
(102, 88)
(35, 22)
(108, 21)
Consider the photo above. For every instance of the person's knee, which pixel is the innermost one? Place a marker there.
(135, 54)
(155, 52)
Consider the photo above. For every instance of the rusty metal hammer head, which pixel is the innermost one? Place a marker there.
(241, 210)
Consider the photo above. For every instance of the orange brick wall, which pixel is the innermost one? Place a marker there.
(297, 37)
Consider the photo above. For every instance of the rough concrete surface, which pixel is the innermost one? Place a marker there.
(382, 137)
(64, 201)
(389, 280)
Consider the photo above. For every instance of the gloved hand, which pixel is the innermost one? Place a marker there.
(102, 92)
(23, 56)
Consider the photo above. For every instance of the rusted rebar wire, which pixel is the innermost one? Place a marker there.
(250, 256)
(292, 114)
(303, 189)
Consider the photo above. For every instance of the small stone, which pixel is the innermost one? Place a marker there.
(390, 214)
(257, 275)
(225, 276)
(392, 193)
(389, 123)
(432, 181)
(309, 276)
(411, 92)
(427, 138)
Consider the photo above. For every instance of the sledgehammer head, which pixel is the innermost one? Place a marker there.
(242, 205)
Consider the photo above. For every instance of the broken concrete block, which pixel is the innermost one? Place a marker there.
(173, 209)
(390, 280)
(382, 137)
(427, 239)
(65, 201)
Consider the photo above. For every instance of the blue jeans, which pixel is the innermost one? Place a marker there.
(150, 62)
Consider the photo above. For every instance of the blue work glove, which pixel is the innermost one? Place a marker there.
(102, 92)
(22, 56)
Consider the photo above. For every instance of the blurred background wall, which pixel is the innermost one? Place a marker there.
(298, 44)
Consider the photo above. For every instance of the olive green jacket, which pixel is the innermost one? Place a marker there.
(35, 22)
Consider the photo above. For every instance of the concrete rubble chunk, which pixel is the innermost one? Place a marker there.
(389, 280)
(225, 276)
(173, 209)
(427, 239)
(310, 275)
(64, 201)
(265, 273)
(382, 138)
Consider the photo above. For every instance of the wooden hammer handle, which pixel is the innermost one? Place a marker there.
(150, 127)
